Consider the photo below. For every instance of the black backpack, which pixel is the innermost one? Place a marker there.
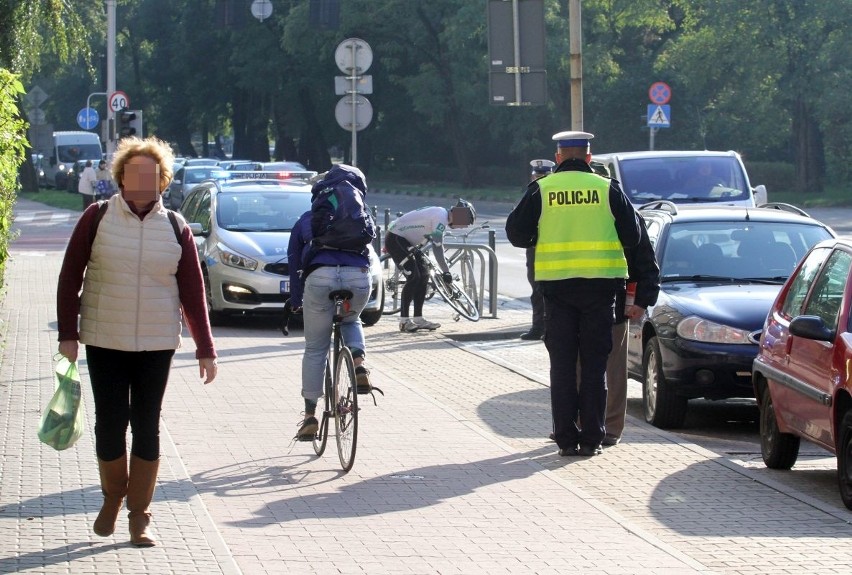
(340, 220)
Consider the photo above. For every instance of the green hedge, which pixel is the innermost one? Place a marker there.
(13, 146)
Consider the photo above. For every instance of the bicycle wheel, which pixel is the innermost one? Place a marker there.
(345, 408)
(394, 282)
(321, 437)
(457, 299)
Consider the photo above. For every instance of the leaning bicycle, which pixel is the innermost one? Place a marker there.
(451, 293)
(341, 390)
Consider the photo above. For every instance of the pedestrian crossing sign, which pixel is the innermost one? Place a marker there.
(659, 116)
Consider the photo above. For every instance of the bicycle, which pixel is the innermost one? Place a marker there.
(451, 293)
(464, 258)
(341, 389)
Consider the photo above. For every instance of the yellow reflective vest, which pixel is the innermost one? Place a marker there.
(576, 231)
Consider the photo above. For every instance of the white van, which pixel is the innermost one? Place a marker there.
(68, 148)
(683, 177)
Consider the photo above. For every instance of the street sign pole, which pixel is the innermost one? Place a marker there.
(110, 114)
(353, 47)
(354, 57)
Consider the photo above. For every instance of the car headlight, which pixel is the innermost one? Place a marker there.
(700, 329)
(235, 260)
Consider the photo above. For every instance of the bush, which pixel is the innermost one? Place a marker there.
(13, 146)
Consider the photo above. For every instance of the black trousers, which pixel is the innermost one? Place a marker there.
(536, 299)
(128, 388)
(578, 324)
(417, 275)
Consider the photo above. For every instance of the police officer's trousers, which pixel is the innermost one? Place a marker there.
(578, 324)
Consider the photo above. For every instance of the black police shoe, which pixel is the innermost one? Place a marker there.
(532, 334)
(589, 450)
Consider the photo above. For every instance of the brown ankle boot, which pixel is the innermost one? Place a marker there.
(140, 492)
(114, 487)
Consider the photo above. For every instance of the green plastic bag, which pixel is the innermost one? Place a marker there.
(63, 420)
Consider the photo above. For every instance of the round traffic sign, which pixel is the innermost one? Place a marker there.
(261, 9)
(363, 112)
(353, 56)
(118, 101)
(660, 93)
(87, 118)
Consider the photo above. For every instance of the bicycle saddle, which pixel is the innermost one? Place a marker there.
(343, 294)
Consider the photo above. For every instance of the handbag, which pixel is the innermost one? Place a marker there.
(63, 419)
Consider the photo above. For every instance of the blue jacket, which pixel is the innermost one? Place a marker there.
(300, 239)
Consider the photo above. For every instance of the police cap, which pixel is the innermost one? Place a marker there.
(542, 166)
(572, 139)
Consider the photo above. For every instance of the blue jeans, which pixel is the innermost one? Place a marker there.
(318, 312)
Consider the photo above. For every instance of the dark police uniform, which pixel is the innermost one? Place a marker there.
(579, 223)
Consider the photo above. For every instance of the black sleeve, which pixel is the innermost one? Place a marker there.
(643, 269)
(522, 223)
(626, 219)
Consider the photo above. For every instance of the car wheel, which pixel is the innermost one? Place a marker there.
(844, 460)
(216, 317)
(372, 317)
(779, 450)
(663, 407)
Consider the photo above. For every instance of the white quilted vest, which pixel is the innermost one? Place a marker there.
(130, 295)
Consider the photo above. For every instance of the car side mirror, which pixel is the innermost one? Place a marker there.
(197, 229)
(811, 327)
(760, 195)
(176, 182)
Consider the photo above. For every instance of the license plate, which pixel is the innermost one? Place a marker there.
(285, 286)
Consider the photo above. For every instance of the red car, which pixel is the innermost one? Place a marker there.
(802, 375)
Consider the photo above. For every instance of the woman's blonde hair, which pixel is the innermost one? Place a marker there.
(151, 147)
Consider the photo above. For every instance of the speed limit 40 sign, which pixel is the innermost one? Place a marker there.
(118, 101)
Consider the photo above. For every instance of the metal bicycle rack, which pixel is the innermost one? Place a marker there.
(481, 251)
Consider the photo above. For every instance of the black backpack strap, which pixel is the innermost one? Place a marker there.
(102, 208)
(175, 226)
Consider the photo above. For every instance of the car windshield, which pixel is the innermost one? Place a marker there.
(736, 251)
(688, 179)
(77, 152)
(261, 211)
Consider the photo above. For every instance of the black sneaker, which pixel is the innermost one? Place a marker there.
(362, 378)
(308, 429)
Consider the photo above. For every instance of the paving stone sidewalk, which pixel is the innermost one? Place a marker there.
(453, 473)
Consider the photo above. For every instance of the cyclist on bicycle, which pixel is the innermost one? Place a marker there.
(310, 284)
(409, 230)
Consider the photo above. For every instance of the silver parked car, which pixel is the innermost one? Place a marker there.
(185, 178)
(242, 230)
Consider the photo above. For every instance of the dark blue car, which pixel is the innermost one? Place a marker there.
(720, 271)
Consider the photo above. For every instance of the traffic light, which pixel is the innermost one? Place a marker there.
(128, 123)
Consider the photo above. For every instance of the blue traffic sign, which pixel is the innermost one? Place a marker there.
(87, 118)
(659, 116)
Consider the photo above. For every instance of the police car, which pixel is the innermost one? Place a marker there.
(242, 228)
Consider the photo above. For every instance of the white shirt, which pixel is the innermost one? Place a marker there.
(87, 182)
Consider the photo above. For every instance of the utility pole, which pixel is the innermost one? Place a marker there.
(575, 36)
(110, 142)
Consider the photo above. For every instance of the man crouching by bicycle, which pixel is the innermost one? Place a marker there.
(410, 229)
(315, 273)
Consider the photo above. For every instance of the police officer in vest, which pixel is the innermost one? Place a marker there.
(539, 169)
(579, 223)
